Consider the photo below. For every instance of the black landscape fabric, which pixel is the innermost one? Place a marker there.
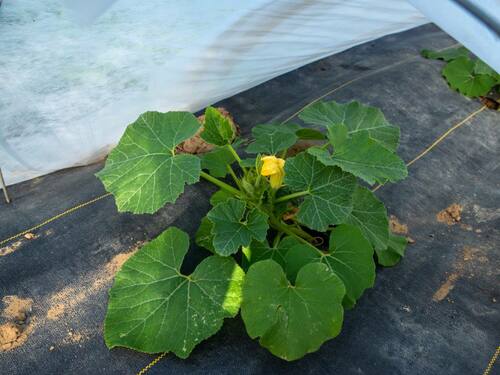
(434, 313)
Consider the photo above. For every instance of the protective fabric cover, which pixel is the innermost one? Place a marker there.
(69, 86)
(397, 328)
(475, 23)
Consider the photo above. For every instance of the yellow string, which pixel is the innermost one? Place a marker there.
(53, 218)
(362, 76)
(493, 359)
(152, 363)
(439, 140)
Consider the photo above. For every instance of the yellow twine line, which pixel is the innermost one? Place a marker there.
(152, 363)
(369, 74)
(53, 218)
(439, 140)
(492, 361)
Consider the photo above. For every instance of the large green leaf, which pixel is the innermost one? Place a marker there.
(292, 320)
(363, 157)
(154, 308)
(143, 172)
(272, 138)
(217, 128)
(461, 76)
(234, 226)
(394, 252)
(350, 256)
(446, 54)
(370, 215)
(357, 117)
(217, 161)
(329, 191)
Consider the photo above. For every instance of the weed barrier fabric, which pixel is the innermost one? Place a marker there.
(435, 312)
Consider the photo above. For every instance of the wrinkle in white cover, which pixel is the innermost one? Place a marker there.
(69, 89)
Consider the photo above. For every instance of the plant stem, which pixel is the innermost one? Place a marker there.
(233, 175)
(291, 196)
(236, 156)
(286, 229)
(220, 183)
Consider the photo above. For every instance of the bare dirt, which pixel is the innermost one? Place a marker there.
(397, 227)
(67, 299)
(450, 215)
(18, 324)
(468, 257)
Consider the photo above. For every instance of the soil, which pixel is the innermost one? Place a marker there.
(397, 227)
(67, 299)
(450, 215)
(468, 257)
(195, 144)
(18, 323)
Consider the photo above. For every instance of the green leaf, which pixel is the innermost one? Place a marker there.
(292, 320)
(357, 117)
(143, 172)
(258, 251)
(248, 162)
(364, 158)
(204, 237)
(272, 138)
(329, 191)
(310, 134)
(233, 228)
(217, 128)
(154, 308)
(460, 76)
(446, 54)
(350, 257)
(220, 196)
(370, 215)
(394, 252)
(480, 67)
(217, 161)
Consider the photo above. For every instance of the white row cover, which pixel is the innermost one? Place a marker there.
(73, 78)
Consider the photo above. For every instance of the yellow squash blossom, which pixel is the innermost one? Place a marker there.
(273, 167)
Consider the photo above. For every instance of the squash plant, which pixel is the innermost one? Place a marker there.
(292, 238)
(470, 76)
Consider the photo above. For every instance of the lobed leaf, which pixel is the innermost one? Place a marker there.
(357, 118)
(217, 128)
(272, 138)
(363, 157)
(369, 214)
(292, 320)
(143, 172)
(350, 257)
(461, 76)
(329, 191)
(154, 308)
(234, 228)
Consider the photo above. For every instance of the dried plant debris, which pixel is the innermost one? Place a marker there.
(450, 215)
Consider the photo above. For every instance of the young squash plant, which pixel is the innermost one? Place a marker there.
(292, 237)
(470, 76)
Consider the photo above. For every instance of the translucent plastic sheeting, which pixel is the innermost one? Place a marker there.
(475, 23)
(68, 89)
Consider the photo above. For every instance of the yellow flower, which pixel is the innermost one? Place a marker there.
(274, 168)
